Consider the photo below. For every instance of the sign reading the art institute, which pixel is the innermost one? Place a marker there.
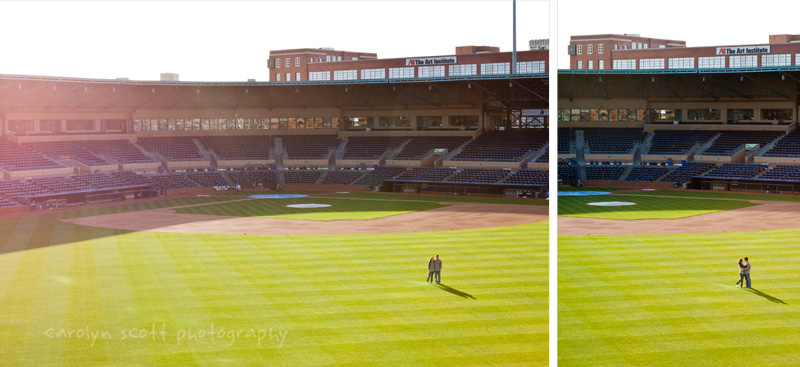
(743, 50)
(432, 61)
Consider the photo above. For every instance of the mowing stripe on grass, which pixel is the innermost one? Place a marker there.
(670, 300)
(343, 299)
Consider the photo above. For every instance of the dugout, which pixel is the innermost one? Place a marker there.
(748, 184)
(91, 196)
(462, 188)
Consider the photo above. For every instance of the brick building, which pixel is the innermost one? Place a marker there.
(328, 64)
(609, 51)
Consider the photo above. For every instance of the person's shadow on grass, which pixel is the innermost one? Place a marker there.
(455, 291)
(767, 296)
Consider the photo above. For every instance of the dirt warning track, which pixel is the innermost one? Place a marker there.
(767, 216)
(453, 216)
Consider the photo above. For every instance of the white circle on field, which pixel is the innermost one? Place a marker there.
(612, 203)
(307, 206)
(648, 189)
(343, 192)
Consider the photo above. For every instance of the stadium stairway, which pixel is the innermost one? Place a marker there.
(625, 173)
(708, 144)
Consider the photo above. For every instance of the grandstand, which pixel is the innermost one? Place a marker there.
(705, 129)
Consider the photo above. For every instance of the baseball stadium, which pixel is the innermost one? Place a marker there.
(286, 223)
(673, 165)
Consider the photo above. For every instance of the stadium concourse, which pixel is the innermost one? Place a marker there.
(69, 141)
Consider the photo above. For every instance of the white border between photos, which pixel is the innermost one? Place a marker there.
(553, 186)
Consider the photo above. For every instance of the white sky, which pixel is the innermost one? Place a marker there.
(230, 41)
(698, 22)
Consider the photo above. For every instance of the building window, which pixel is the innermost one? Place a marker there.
(601, 64)
(624, 64)
(662, 46)
(776, 114)
(616, 46)
(735, 115)
(665, 114)
(319, 75)
(579, 49)
(328, 58)
(776, 60)
(278, 63)
(713, 62)
(373, 73)
(461, 70)
(530, 67)
(651, 63)
(430, 71)
(296, 61)
(287, 62)
(297, 76)
(797, 59)
(496, 68)
(394, 121)
(277, 77)
(401, 73)
(600, 48)
(288, 77)
(681, 63)
(645, 45)
(345, 74)
(590, 64)
(747, 61)
(311, 60)
(710, 114)
(580, 64)
(338, 58)
(633, 46)
(589, 49)
(354, 58)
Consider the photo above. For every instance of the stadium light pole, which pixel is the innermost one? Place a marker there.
(514, 44)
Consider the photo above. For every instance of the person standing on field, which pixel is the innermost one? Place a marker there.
(746, 271)
(431, 270)
(438, 269)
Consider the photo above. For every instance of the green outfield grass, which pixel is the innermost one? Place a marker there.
(349, 300)
(715, 195)
(339, 209)
(647, 207)
(670, 300)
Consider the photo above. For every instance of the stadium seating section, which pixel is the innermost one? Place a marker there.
(503, 146)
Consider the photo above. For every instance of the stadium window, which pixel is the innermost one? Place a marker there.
(600, 47)
(288, 77)
(797, 59)
(776, 60)
(745, 61)
(589, 49)
(401, 73)
(345, 74)
(296, 61)
(394, 121)
(662, 46)
(590, 64)
(651, 63)
(579, 49)
(278, 77)
(624, 64)
(287, 62)
(601, 64)
(665, 114)
(743, 114)
(430, 121)
(328, 58)
(297, 77)
(645, 45)
(355, 59)
(467, 121)
(530, 67)
(714, 62)
(580, 64)
(373, 73)
(319, 75)
(633, 45)
(705, 114)
(776, 114)
(431, 71)
(464, 69)
(277, 63)
(681, 63)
